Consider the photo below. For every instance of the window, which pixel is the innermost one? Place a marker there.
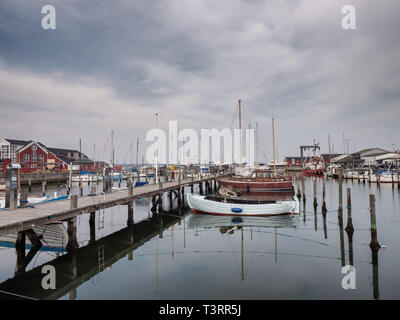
(34, 158)
(26, 158)
(41, 158)
(33, 165)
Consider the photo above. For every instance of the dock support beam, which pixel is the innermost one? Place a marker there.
(340, 210)
(72, 240)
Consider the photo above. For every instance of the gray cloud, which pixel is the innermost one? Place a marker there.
(112, 65)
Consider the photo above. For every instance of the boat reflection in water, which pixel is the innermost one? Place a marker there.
(228, 225)
(213, 221)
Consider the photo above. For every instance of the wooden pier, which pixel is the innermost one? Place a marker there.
(25, 218)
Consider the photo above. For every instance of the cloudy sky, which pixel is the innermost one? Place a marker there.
(110, 65)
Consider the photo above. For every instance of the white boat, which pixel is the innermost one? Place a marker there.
(54, 237)
(240, 207)
(385, 177)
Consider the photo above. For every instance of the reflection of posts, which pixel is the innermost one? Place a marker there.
(92, 225)
(374, 245)
(340, 210)
(349, 228)
(20, 246)
(375, 273)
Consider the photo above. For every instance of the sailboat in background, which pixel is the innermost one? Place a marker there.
(259, 180)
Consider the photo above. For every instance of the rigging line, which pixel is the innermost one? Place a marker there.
(234, 116)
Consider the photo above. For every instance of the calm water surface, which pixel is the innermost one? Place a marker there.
(178, 255)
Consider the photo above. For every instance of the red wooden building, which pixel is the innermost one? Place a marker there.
(3, 166)
(35, 156)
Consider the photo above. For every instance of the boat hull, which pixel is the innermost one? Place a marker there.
(199, 204)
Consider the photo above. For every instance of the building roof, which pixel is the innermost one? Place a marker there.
(342, 158)
(388, 156)
(370, 152)
(32, 143)
(58, 151)
(18, 142)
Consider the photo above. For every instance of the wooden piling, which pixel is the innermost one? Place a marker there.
(30, 185)
(374, 245)
(20, 252)
(298, 190)
(303, 189)
(340, 210)
(324, 210)
(43, 188)
(72, 227)
(349, 227)
(315, 193)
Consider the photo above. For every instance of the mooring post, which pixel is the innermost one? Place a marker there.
(379, 178)
(80, 187)
(340, 210)
(92, 225)
(374, 245)
(315, 192)
(324, 210)
(43, 188)
(30, 184)
(303, 188)
(191, 187)
(72, 240)
(298, 190)
(349, 227)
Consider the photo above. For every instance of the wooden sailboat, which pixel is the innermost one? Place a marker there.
(259, 180)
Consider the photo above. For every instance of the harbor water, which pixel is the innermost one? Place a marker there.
(179, 255)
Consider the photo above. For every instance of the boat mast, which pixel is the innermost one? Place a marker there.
(112, 147)
(240, 130)
(137, 151)
(257, 141)
(157, 150)
(329, 145)
(131, 153)
(273, 142)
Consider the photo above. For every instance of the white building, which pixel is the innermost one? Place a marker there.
(8, 148)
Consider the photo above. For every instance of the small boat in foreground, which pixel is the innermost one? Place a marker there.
(240, 207)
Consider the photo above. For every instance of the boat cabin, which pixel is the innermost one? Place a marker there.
(266, 175)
